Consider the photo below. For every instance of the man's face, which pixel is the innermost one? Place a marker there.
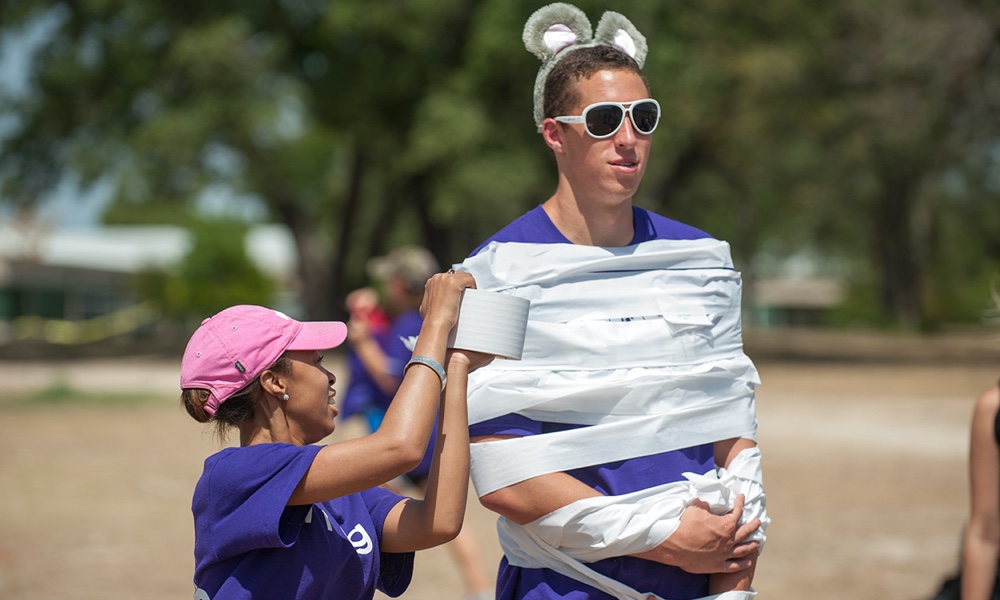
(609, 169)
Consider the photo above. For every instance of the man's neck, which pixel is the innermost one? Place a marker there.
(591, 222)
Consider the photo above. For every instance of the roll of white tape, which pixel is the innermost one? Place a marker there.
(491, 323)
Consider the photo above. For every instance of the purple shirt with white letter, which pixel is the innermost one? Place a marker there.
(250, 544)
(616, 478)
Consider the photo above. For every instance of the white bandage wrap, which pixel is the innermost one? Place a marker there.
(641, 345)
(594, 529)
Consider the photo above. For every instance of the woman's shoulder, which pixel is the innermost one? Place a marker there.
(986, 415)
(274, 450)
(989, 399)
(258, 461)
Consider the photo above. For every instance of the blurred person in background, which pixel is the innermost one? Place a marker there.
(280, 516)
(377, 356)
(379, 321)
(981, 547)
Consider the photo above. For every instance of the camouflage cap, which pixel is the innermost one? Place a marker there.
(413, 264)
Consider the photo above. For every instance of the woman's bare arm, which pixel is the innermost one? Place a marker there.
(982, 538)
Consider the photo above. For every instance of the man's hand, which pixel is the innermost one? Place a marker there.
(709, 543)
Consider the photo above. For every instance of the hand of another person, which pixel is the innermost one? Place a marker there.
(442, 295)
(469, 359)
(709, 543)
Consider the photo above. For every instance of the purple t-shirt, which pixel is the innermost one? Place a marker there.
(362, 391)
(250, 544)
(616, 478)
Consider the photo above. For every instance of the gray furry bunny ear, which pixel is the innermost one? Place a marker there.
(553, 31)
(552, 28)
(615, 30)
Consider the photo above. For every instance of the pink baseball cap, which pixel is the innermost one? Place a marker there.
(231, 349)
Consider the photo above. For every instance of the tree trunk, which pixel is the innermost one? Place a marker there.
(346, 226)
(901, 277)
(314, 266)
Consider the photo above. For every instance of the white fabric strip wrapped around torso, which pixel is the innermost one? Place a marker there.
(643, 346)
(597, 528)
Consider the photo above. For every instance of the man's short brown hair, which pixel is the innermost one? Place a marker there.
(561, 93)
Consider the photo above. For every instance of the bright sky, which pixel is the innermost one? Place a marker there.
(67, 208)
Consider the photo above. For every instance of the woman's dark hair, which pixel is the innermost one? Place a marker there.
(561, 94)
(237, 409)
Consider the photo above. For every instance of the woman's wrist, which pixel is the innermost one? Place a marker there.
(437, 325)
(432, 341)
(419, 359)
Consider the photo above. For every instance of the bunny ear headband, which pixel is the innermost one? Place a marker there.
(557, 29)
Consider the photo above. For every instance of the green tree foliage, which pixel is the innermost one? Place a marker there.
(214, 274)
(915, 147)
(327, 113)
(864, 132)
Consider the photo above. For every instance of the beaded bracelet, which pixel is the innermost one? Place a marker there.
(430, 362)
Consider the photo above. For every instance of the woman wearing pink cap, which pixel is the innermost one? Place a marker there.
(280, 517)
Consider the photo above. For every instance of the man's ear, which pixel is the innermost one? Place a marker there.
(552, 133)
(272, 383)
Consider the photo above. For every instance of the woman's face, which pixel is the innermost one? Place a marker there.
(310, 407)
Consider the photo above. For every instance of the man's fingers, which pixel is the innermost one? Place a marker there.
(738, 507)
(746, 530)
(743, 557)
(736, 565)
(745, 550)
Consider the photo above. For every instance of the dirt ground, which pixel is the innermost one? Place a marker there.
(864, 466)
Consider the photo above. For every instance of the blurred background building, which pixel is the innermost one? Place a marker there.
(74, 287)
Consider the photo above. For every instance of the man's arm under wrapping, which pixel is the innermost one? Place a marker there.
(602, 527)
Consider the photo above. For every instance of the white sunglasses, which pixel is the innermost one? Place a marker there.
(604, 119)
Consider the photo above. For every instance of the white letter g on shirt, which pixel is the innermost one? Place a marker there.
(360, 539)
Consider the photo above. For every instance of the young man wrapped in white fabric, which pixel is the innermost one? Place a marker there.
(621, 450)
